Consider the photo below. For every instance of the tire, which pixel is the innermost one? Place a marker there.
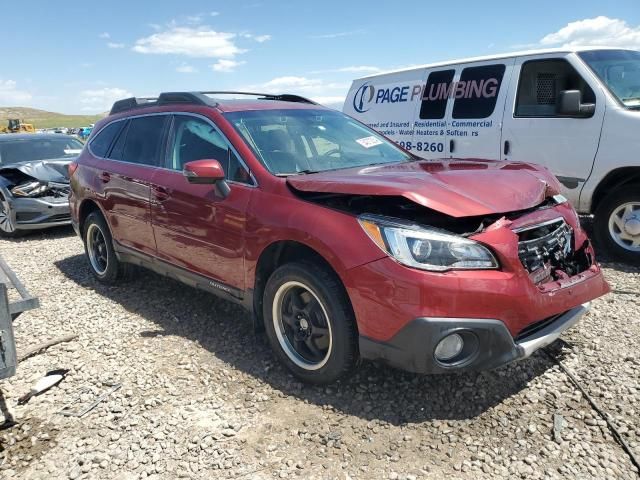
(617, 224)
(98, 248)
(7, 226)
(310, 323)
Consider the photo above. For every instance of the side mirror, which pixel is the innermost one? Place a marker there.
(206, 172)
(570, 104)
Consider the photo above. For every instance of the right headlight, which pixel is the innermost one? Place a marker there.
(426, 248)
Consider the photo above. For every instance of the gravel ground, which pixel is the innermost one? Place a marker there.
(202, 396)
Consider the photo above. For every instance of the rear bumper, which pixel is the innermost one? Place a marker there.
(488, 343)
(38, 213)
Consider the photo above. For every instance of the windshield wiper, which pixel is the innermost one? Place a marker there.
(301, 172)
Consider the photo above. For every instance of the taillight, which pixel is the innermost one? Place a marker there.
(73, 166)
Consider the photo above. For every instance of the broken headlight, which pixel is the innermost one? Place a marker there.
(426, 248)
(30, 189)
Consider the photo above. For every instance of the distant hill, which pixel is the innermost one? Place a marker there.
(44, 119)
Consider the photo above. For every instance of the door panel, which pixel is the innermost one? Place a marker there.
(197, 230)
(194, 227)
(536, 134)
(126, 195)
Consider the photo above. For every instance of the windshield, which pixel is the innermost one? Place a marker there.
(38, 148)
(290, 142)
(620, 72)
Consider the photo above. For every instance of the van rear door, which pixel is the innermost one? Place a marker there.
(534, 128)
(474, 118)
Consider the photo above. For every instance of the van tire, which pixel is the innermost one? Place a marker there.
(99, 251)
(607, 231)
(301, 299)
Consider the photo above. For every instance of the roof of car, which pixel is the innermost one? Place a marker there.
(31, 136)
(500, 56)
(238, 101)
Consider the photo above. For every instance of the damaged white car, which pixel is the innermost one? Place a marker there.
(34, 181)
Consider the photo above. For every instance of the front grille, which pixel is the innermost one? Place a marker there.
(545, 245)
(62, 217)
(27, 216)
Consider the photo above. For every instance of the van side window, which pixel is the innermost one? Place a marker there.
(476, 92)
(436, 94)
(540, 83)
(197, 139)
(144, 140)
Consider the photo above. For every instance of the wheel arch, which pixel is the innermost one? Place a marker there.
(87, 207)
(273, 256)
(616, 178)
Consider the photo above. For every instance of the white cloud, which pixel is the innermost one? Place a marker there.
(262, 38)
(226, 66)
(100, 100)
(192, 42)
(184, 68)
(611, 32)
(11, 95)
(338, 34)
(331, 94)
(214, 14)
(104, 35)
(115, 45)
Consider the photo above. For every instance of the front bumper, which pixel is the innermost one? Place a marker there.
(488, 343)
(38, 213)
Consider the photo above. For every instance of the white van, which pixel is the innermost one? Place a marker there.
(575, 111)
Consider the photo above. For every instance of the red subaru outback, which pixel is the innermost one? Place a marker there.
(343, 245)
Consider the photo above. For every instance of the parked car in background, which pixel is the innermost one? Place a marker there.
(575, 111)
(34, 181)
(343, 245)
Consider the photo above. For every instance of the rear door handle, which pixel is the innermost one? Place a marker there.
(507, 147)
(160, 193)
(452, 145)
(104, 177)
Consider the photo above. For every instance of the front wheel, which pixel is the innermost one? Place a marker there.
(310, 323)
(7, 224)
(617, 224)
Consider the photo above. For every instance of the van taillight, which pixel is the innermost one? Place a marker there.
(73, 166)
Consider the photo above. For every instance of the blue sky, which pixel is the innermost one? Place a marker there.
(78, 57)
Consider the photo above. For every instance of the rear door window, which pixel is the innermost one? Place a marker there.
(477, 90)
(144, 140)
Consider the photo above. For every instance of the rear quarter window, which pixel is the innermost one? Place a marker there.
(103, 140)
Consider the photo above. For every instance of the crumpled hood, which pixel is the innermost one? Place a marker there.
(52, 170)
(459, 188)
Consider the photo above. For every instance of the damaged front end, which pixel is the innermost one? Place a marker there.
(545, 240)
(36, 194)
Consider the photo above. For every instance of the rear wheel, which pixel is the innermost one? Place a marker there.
(617, 224)
(310, 323)
(7, 224)
(98, 247)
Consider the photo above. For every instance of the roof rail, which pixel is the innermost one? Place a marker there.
(284, 97)
(196, 98)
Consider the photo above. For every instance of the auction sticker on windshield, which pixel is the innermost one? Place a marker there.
(368, 142)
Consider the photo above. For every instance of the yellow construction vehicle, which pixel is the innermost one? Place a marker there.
(16, 126)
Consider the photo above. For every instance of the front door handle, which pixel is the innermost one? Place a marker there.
(104, 177)
(507, 147)
(160, 193)
(452, 145)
